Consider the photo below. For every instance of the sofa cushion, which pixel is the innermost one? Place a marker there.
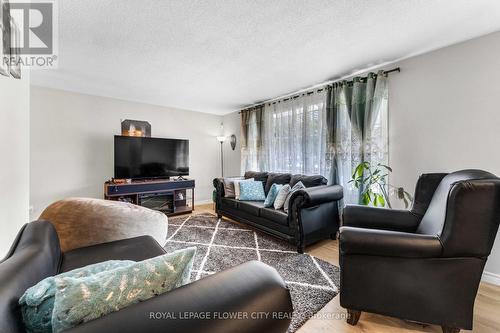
(308, 181)
(252, 191)
(281, 197)
(251, 207)
(275, 215)
(277, 178)
(79, 300)
(136, 249)
(230, 203)
(229, 186)
(37, 303)
(295, 188)
(260, 176)
(237, 186)
(271, 196)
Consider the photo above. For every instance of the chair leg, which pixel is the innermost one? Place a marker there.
(300, 249)
(353, 317)
(450, 329)
(333, 236)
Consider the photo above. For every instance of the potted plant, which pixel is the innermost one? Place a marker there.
(374, 185)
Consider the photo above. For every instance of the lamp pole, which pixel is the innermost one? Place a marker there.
(221, 140)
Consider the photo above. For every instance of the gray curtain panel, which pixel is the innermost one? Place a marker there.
(251, 137)
(251, 117)
(357, 127)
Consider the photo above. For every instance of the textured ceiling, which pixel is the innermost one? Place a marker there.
(219, 55)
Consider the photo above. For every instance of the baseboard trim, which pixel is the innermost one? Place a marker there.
(491, 278)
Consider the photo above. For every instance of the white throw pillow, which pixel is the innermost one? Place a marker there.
(281, 197)
(237, 187)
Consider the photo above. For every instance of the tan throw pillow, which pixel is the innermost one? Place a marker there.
(229, 186)
(281, 197)
(237, 187)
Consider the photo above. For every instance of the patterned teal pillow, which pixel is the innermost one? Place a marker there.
(252, 191)
(37, 303)
(271, 196)
(79, 300)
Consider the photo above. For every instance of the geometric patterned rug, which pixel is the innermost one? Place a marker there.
(222, 244)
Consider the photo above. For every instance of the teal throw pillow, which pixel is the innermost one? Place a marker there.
(271, 196)
(79, 300)
(37, 303)
(252, 191)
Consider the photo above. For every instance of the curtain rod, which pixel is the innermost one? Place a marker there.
(291, 95)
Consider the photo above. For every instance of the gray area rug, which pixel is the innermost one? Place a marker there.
(224, 244)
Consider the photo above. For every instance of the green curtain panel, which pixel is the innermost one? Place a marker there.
(357, 118)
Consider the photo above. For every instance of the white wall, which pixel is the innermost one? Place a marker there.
(72, 143)
(14, 150)
(445, 114)
(232, 158)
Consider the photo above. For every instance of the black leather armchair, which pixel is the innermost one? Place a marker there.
(425, 264)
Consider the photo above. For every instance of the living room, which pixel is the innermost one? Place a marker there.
(330, 166)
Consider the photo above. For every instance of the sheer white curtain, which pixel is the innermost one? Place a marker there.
(294, 136)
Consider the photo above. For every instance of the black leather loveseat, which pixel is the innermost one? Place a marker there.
(248, 288)
(312, 214)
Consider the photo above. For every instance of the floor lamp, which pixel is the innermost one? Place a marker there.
(221, 139)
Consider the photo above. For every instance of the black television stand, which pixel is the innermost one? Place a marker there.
(167, 196)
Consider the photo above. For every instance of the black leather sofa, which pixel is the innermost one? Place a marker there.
(248, 288)
(313, 213)
(423, 265)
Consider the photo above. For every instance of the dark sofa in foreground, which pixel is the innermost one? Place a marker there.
(248, 288)
(313, 212)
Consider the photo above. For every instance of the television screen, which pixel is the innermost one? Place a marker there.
(139, 157)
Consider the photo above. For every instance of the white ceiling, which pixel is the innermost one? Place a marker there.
(217, 56)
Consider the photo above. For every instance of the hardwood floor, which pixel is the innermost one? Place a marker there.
(486, 310)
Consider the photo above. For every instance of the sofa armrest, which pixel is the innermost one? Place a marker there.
(380, 218)
(359, 241)
(313, 196)
(253, 293)
(219, 186)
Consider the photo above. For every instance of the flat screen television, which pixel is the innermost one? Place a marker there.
(141, 158)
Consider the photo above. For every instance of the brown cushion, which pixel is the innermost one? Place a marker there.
(81, 222)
